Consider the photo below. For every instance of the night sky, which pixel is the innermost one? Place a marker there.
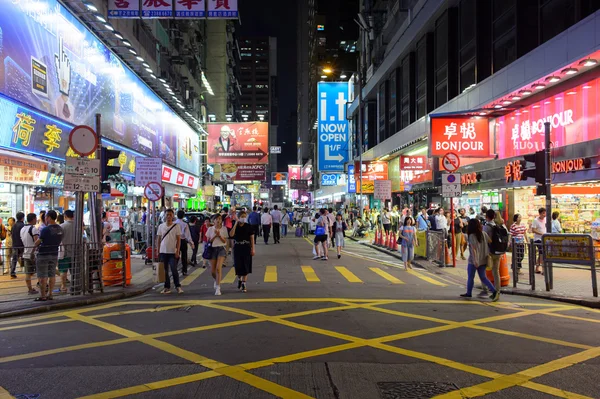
(278, 18)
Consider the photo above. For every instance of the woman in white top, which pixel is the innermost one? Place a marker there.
(217, 236)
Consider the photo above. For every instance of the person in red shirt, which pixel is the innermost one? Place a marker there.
(204, 240)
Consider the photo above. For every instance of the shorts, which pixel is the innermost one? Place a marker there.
(387, 227)
(218, 252)
(28, 266)
(408, 253)
(321, 238)
(64, 265)
(540, 247)
(46, 265)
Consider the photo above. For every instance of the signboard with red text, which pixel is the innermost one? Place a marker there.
(466, 137)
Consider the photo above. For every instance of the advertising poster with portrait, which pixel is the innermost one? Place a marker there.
(51, 62)
(238, 143)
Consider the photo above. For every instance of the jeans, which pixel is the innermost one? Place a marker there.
(194, 253)
(471, 270)
(306, 228)
(266, 230)
(15, 257)
(276, 232)
(496, 270)
(183, 255)
(284, 228)
(169, 262)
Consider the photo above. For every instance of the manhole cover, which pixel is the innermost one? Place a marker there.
(414, 389)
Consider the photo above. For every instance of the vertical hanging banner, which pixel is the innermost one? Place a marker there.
(226, 9)
(123, 8)
(157, 8)
(332, 126)
(190, 9)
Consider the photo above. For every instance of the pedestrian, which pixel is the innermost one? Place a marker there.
(465, 222)
(498, 234)
(218, 239)
(29, 235)
(518, 232)
(538, 228)
(321, 235)
(41, 221)
(331, 220)
(17, 245)
(441, 222)
(458, 227)
(186, 238)
(306, 217)
(339, 229)
(276, 221)
(422, 220)
(8, 244)
(204, 239)
(408, 241)
(285, 223)
(169, 244)
(48, 242)
(478, 258)
(195, 234)
(556, 227)
(266, 221)
(106, 228)
(254, 222)
(386, 220)
(243, 234)
(68, 244)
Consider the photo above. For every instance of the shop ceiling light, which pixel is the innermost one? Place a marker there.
(153, 76)
(518, 113)
(548, 102)
(343, 76)
(91, 6)
(505, 102)
(515, 98)
(118, 35)
(552, 79)
(569, 71)
(126, 43)
(497, 106)
(536, 106)
(483, 113)
(538, 86)
(587, 87)
(162, 80)
(139, 58)
(146, 65)
(558, 98)
(525, 92)
(323, 76)
(148, 70)
(132, 51)
(109, 27)
(100, 18)
(570, 93)
(588, 62)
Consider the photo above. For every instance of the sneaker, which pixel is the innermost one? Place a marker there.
(339, 256)
(215, 285)
(218, 291)
(244, 287)
(183, 274)
(495, 296)
(13, 276)
(466, 295)
(179, 290)
(165, 291)
(316, 257)
(325, 258)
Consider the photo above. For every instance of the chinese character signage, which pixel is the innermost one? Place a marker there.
(189, 9)
(157, 8)
(53, 64)
(238, 143)
(123, 8)
(467, 137)
(371, 171)
(351, 179)
(294, 172)
(334, 140)
(573, 115)
(227, 9)
(413, 162)
(513, 171)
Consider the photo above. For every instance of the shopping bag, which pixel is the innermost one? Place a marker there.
(160, 273)
(299, 232)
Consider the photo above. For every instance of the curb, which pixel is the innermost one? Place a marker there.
(376, 248)
(76, 304)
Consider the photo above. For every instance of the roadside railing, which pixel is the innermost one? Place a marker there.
(436, 244)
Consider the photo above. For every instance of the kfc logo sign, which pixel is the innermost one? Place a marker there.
(468, 137)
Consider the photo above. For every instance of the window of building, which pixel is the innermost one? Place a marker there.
(382, 107)
(392, 103)
(405, 93)
(322, 42)
(467, 43)
(556, 16)
(441, 60)
(504, 47)
(421, 70)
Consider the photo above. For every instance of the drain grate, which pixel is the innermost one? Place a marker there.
(414, 389)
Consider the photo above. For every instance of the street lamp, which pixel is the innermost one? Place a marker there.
(327, 70)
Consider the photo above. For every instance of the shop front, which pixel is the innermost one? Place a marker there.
(179, 187)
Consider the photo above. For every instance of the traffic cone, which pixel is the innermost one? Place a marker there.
(395, 244)
(386, 242)
(448, 261)
(380, 238)
(376, 238)
(392, 241)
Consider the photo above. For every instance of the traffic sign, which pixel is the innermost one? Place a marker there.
(451, 186)
(332, 126)
(451, 162)
(82, 174)
(153, 191)
(83, 140)
(147, 170)
(81, 183)
(275, 149)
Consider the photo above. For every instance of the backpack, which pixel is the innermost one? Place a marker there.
(499, 237)
(2, 232)
(433, 222)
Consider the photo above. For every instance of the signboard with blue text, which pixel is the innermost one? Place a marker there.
(351, 180)
(333, 127)
(51, 62)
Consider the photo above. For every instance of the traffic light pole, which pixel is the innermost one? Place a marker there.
(548, 174)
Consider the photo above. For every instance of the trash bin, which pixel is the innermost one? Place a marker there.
(112, 265)
(504, 276)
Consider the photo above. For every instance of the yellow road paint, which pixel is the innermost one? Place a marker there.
(4, 394)
(229, 278)
(193, 276)
(271, 274)
(107, 326)
(310, 275)
(428, 279)
(348, 275)
(560, 393)
(386, 276)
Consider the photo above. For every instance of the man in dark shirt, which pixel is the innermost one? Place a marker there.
(47, 259)
(17, 245)
(254, 222)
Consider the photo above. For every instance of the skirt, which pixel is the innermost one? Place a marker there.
(339, 239)
(242, 259)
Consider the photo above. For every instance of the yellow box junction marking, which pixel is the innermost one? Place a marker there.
(310, 275)
(193, 276)
(271, 274)
(229, 278)
(348, 275)
(387, 276)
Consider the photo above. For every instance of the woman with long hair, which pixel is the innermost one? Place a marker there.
(243, 234)
(217, 237)
(478, 255)
(408, 237)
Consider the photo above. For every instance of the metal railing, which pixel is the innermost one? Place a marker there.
(436, 244)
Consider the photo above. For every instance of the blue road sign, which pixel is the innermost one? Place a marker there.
(333, 126)
(351, 180)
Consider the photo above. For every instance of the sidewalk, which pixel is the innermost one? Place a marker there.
(14, 299)
(571, 284)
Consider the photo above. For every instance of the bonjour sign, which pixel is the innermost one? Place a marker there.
(570, 165)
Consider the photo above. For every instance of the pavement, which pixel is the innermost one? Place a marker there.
(356, 327)
(572, 284)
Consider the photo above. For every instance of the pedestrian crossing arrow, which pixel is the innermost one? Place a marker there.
(328, 157)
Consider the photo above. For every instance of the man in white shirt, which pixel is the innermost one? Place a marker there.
(29, 235)
(186, 237)
(538, 227)
(331, 220)
(266, 220)
(168, 236)
(441, 222)
(276, 217)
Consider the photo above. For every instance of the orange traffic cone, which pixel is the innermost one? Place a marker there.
(392, 241)
(395, 244)
(448, 261)
(380, 237)
(386, 242)
(376, 238)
